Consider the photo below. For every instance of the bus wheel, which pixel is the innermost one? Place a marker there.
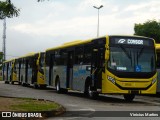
(42, 86)
(35, 86)
(24, 84)
(12, 83)
(6, 82)
(58, 89)
(91, 94)
(129, 97)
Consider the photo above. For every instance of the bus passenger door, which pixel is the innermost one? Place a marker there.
(70, 69)
(97, 67)
(94, 66)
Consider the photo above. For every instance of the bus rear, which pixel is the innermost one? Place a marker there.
(130, 66)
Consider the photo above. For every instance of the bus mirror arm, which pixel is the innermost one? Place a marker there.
(37, 63)
(107, 55)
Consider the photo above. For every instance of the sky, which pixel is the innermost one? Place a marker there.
(43, 25)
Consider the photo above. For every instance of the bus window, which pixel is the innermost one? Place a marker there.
(79, 55)
(87, 54)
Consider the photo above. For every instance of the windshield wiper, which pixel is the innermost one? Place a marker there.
(139, 54)
(128, 54)
(141, 51)
(125, 51)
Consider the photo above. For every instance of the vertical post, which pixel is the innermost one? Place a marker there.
(98, 18)
(4, 39)
(98, 25)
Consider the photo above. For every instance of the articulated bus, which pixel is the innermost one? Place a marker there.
(158, 67)
(107, 65)
(30, 70)
(9, 73)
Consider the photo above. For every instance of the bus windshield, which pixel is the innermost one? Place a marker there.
(132, 59)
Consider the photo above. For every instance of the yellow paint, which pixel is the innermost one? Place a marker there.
(109, 87)
(40, 79)
(14, 77)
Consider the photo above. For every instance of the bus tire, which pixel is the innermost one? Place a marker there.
(12, 82)
(64, 90)
(87, 82)
(43, 86)
(24, 84)
(89, 92)
(129, 97)
(92, 94)
(58, 87)
(6, 82)
(35, 86)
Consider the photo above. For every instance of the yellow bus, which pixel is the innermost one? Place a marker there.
(31, 70)
(107, 65)
(158, 67)
(9, 72)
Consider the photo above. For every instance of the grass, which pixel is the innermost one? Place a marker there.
(27, 104)
(0, 78)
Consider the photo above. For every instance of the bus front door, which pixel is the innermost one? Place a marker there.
(97, 67)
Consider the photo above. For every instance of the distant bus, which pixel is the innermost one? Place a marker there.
(158, 67)
(30, 70)
(26, 70)
(9, 73)
(107, 65)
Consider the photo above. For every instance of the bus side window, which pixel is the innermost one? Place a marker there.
(79, 55)
(63, 57)
(57, 60)
(87, 54)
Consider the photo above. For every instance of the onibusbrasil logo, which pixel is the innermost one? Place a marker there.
(21, 115)
(121, 41)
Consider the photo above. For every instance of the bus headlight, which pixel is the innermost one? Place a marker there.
(154, 80)
(111, 79)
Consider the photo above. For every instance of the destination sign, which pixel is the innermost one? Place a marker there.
(132, 41)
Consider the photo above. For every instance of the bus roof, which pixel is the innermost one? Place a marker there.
(28, 55)
(78, 42)
(136, 36)
(9, 60)
(69, 44)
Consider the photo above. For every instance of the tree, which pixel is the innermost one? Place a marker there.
(150, 29)
(7, 9)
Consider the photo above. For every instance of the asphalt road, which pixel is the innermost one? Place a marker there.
(75, 101)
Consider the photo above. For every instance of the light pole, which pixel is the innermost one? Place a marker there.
(98, 18)
(4, 39)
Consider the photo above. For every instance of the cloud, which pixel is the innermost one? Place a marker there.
(147, 6)
(80, 24)
(85, 3)
(51, 23)
(57, 28)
